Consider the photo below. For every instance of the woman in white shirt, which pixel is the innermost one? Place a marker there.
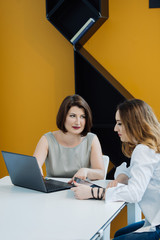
(139, 131)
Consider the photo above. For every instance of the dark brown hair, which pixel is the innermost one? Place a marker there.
(68, 102)
(141, 125)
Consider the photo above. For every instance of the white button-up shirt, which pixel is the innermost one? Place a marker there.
(143, 185)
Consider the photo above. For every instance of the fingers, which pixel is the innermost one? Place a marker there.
(79, 176)
(81, 191)
(83, 177)
(70, 181)
(81, 173)
(76, 184)
(77, 192)
(112, 184)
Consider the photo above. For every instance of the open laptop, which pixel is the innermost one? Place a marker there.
(24, 172)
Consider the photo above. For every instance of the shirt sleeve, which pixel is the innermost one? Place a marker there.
(143, 162)
(122, 169)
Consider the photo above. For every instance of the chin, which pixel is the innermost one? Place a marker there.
(77, 132)
(122, 140)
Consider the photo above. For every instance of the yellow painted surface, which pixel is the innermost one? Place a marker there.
(36, 73)
(128, 46)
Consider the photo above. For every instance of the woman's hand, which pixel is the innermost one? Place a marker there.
(113, 183)
(81, 191)
(121, 178)
(81, 173)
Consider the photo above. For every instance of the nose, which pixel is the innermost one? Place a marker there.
(77, 120)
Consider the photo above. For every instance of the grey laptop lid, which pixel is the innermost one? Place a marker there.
(24, 172)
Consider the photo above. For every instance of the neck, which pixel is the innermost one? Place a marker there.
(70, 139)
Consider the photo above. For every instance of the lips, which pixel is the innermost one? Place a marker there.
(76, 128)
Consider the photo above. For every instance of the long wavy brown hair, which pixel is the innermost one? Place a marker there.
(141, 125)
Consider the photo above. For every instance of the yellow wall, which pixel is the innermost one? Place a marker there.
(36, 73)
(37, 67)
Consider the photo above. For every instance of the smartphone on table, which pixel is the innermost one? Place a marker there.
(85, 182)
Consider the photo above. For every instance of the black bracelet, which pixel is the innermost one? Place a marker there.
(98, 197)
(98, 194)
(102, 195)
(92, 193)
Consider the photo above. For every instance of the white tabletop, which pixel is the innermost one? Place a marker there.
(32, 215)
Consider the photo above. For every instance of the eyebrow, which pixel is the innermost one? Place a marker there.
(76, 113)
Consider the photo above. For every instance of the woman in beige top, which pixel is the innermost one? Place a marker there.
(72, 151)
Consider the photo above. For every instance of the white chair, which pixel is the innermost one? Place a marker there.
(106, 163)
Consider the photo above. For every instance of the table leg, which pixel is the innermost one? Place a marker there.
(106, 233)
(134, 213)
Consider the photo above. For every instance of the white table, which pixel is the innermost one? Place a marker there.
(31, 215)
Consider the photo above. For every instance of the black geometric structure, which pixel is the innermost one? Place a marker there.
(154, 3)
(78, 20)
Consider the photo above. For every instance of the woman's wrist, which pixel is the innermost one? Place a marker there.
(98, 193)
(94, 174)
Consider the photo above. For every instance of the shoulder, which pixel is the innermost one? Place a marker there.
(144, 153)
(88, 139)
(93, 139)
(48, 134)
(141, 148)
(90, 136)
(48, 137)
(43, 142)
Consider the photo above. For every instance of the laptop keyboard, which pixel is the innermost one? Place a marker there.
(56, 185)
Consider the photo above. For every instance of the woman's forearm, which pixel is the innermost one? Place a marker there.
(94, 174)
